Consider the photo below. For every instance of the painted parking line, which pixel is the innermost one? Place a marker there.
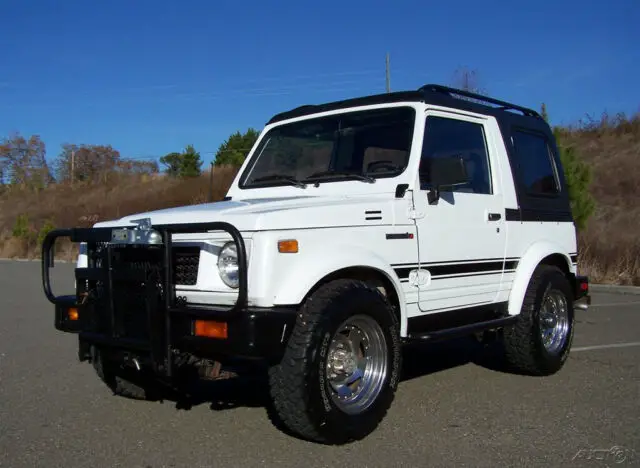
(615, 304)
(605, 346)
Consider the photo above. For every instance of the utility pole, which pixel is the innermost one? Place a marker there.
(388, 74)
(211, 183)
(73, 165)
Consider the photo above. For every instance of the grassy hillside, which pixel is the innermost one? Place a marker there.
(25, 215)
(609, 246)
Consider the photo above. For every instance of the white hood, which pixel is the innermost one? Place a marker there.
(271, 213)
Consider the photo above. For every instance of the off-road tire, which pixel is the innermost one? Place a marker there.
(122, 381)
(523, 345)
(298, 386)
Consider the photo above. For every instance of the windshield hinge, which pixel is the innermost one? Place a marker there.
(412, 213)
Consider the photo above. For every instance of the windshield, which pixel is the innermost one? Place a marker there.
(363, 145)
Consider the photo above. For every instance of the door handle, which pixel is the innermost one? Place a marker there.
(494, 216)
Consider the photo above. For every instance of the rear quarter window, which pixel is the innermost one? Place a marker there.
(535, 164)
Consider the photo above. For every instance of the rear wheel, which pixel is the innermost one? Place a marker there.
(539, 342)
(341, 367)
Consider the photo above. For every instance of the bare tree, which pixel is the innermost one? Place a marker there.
(23, 162)
(467, 80)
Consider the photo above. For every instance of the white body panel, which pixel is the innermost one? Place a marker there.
(457, 237)
(331, 226)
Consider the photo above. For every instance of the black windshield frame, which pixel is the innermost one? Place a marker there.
(341, 140)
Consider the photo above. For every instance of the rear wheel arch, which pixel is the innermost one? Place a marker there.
(538, 254)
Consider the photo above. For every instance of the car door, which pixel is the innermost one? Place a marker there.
(461, 236)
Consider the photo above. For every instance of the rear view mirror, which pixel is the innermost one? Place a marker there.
(446, 172)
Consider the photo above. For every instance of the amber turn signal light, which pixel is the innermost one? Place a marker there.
(211, 329)
(288, 246)
(72, 313)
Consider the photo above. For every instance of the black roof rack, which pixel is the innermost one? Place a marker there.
(429, 93)
(503, 104)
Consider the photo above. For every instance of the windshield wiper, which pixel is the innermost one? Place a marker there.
(285, 178)
(331, 174)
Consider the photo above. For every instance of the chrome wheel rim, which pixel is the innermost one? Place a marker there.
(554, 320)
(357, 364)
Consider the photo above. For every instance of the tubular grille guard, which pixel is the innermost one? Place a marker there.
(103, 235)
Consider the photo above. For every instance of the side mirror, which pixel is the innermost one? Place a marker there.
(446, 173)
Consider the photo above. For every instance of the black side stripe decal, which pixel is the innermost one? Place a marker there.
(456, 262)
(460, 270)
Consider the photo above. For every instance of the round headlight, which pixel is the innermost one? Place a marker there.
(228, 265)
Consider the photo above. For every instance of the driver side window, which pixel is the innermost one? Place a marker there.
(448, 137)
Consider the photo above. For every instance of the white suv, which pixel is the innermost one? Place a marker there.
(351, 227)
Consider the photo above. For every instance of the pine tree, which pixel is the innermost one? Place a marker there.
(235, 149)
(578, 178)
(543, 112)
(191, 162)
(185, 164)
(577, 174)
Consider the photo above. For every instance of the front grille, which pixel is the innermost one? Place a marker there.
(185, 265)
(185, 261)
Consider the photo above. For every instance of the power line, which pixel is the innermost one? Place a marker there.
(281, 80)
(155, 157)
(263, 92)
(283, 89)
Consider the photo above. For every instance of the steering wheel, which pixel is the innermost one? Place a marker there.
(384, 165)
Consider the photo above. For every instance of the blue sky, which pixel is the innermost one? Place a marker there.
(150, 77)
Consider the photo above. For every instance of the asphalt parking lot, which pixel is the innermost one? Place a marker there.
(455, 406)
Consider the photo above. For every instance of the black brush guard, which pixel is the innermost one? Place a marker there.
(103, 321)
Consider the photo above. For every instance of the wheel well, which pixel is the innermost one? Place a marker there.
(369, 275)
(557, 260)
(560, 261)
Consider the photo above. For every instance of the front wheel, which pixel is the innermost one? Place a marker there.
(341, 368)
(122, 381)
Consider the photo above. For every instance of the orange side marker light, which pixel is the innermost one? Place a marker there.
(211, 329)
(288, 246)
